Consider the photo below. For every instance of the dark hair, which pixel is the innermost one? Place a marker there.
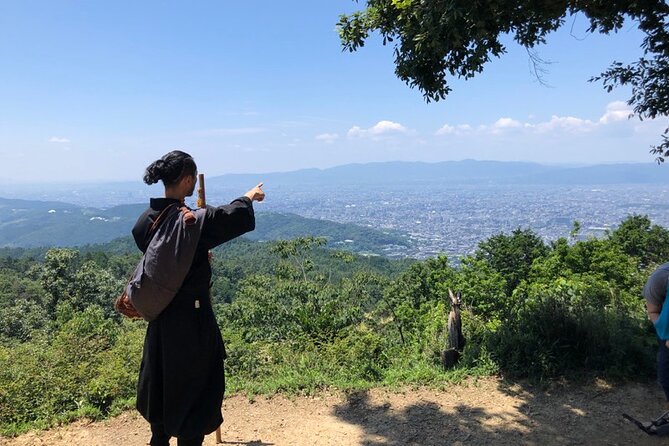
(170, 168)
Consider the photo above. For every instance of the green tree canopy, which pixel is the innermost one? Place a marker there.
(435, 39)
(637, 237)
(512, 255)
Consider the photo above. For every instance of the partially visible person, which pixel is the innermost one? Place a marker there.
(181, 378)
(655, 293)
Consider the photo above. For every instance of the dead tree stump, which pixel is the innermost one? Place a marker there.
(456, 341)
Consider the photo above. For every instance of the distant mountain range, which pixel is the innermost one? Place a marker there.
(465, 172)
(27, 224)
(387, 175)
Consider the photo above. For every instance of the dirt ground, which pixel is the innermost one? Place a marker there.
(488, 411)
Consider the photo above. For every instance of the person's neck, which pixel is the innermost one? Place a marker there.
(175, 194)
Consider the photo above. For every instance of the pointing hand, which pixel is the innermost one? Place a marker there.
(256, 194)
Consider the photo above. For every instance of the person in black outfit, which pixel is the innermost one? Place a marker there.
(181, 377)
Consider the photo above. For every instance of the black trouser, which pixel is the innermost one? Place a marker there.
(160, 438)
(663, 367)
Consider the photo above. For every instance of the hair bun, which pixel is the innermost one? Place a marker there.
(154, 172)
(170, 168)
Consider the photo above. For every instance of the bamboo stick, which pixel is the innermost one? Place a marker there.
(202, 203)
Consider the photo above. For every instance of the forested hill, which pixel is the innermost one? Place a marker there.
(26, 224)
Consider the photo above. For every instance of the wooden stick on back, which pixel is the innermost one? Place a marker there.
(202, 203)
(201, 197)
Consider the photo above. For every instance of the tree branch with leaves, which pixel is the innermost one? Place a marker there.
(437, 39)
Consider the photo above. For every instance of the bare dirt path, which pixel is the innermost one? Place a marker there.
(480, 412)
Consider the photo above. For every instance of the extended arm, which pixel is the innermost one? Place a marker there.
(229, 221)
(653, 311)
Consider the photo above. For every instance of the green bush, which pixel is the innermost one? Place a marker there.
(552, 336)
(360, 355)
(91, 363)
(114, 381)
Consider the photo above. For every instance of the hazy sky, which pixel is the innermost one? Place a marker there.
(97, 90)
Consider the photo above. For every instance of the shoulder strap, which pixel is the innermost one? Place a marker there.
(157, 221)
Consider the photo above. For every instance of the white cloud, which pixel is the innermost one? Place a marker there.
(565, 123)
(459, 129)
(58, 139)
(355, 131)
(327, 137)
(446, 130)
(380, 128)
(387, 127)
(506, 123)
(651, 126)
(616, 111)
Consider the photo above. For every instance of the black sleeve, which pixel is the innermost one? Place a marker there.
(226, 222)
(141, 229)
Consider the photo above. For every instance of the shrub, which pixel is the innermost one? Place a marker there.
(90, 364)
(553, 336)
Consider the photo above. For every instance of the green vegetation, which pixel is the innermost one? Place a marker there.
(27, 225)
(275, 226)
(297, 317)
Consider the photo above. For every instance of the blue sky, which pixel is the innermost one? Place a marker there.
(97, 90)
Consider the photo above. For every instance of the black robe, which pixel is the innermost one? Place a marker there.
(181, 378)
